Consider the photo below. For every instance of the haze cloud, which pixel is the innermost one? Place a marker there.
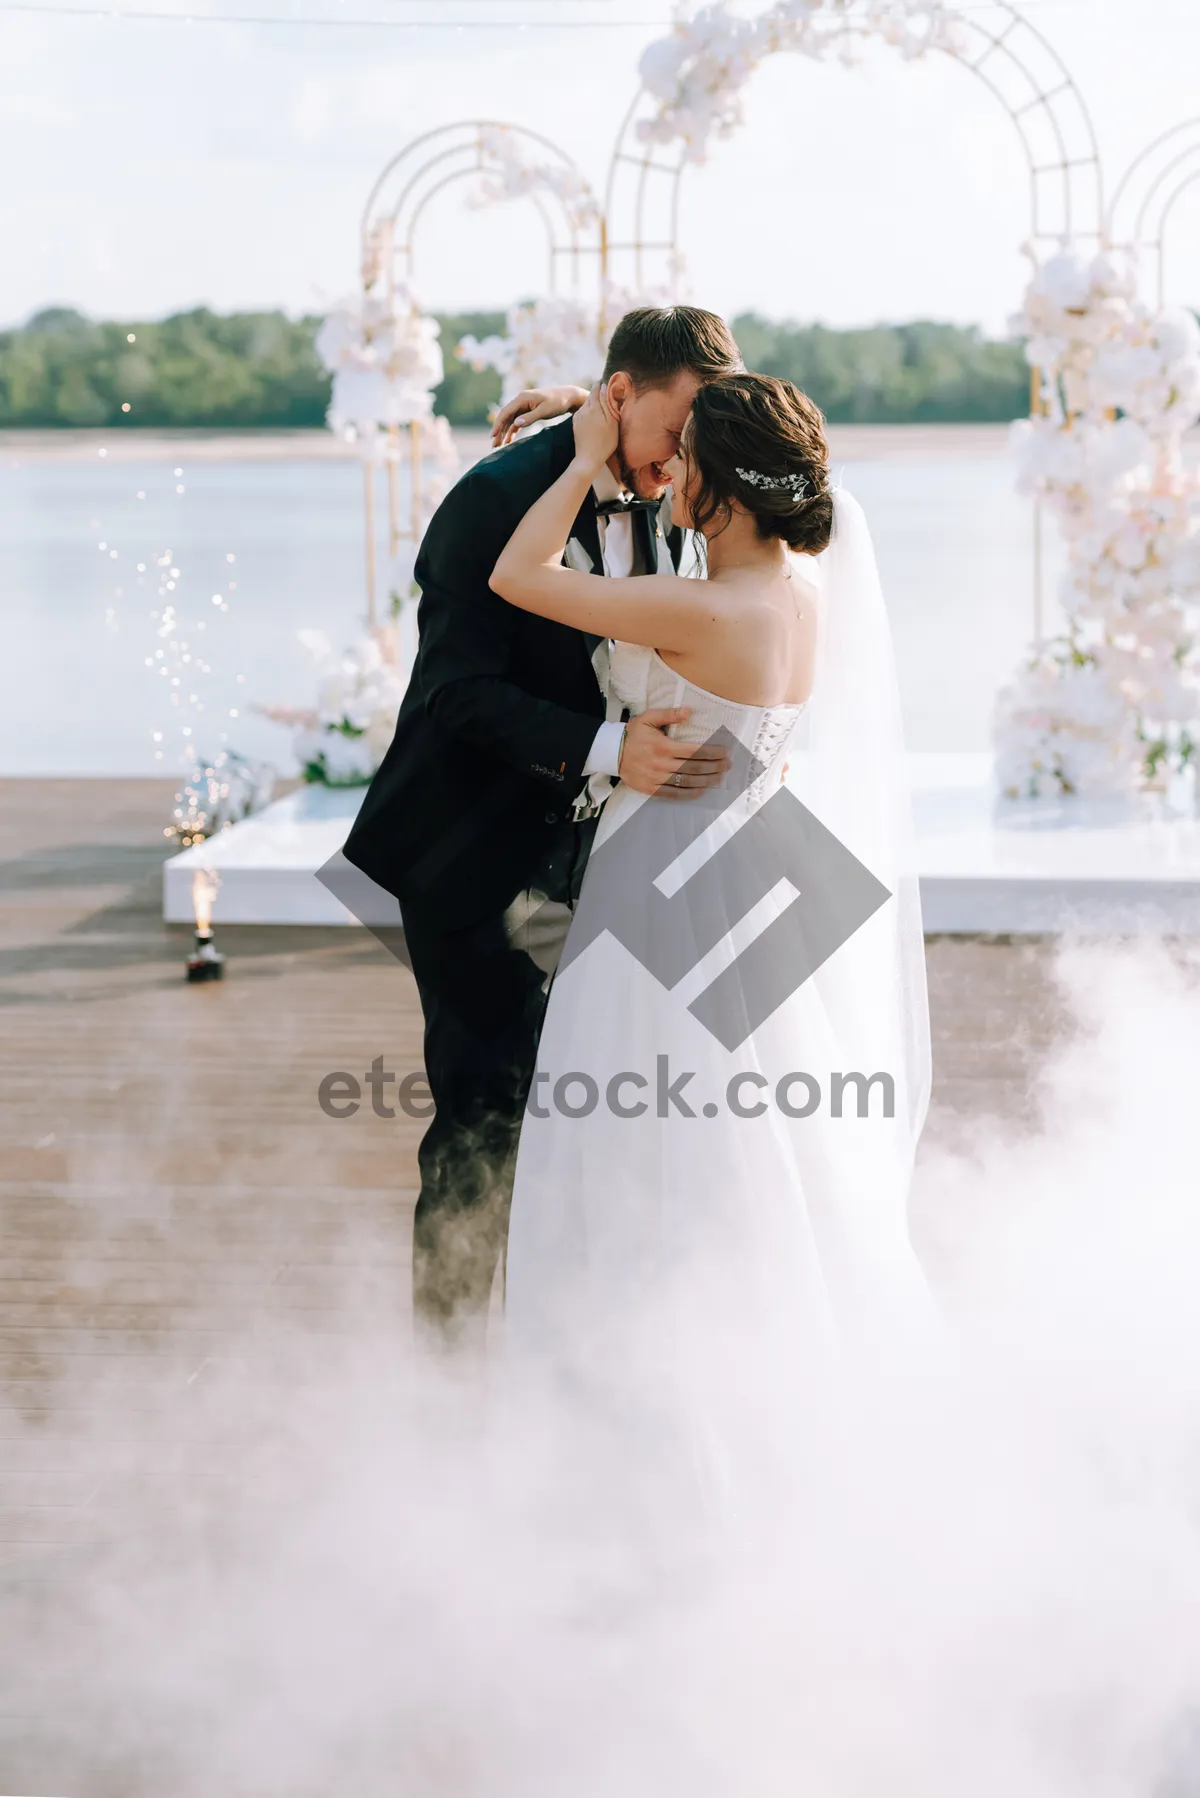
(326, 1575)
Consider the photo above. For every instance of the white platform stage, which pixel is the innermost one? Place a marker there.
(997, 869)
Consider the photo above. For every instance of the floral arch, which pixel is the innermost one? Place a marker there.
(692, 92)
(501, 161)
(1110, 704)
(383, 349)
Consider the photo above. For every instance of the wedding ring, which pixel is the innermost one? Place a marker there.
(677, 779)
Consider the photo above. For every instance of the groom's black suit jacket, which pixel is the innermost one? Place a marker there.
(501, 708)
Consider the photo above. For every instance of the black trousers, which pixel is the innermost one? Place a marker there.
(483, 992)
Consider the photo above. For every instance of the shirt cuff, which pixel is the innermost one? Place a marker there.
(605, 752)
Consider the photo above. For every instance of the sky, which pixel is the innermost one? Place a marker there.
(152, 165)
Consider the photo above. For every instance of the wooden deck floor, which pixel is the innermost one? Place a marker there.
(169, 1185)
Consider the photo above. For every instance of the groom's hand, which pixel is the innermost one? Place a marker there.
(652, 762)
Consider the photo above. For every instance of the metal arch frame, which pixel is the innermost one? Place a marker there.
(1151, 187)
(1059, 105)
(388, 231)
(1010, 48)
(401, 194)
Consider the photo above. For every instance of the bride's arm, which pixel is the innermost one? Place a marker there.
(531, 406)
(659, 610)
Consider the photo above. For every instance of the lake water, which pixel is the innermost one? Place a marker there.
(77, 697)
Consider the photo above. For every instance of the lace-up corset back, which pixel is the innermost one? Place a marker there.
(640, 680)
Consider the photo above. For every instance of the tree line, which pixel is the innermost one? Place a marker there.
(244, 369)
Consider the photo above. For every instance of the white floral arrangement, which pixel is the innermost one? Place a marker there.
(1064, 730)
(1153, 375)
(554, 342)
(507, 175)
(696, 74)
(1119, 385)
(386, 361)
(547, 343)
(341, 741)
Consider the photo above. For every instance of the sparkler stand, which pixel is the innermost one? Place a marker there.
(205, 961)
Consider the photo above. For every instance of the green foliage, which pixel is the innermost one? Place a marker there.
(196, 368)
(260, 369)
(892, 374)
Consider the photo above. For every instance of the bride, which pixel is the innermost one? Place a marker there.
(709, 1211)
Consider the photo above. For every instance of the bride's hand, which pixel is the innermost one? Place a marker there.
(596, 429)
(531, 406)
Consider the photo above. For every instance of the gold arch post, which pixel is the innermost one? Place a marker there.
(401, 196)
(1019, 67)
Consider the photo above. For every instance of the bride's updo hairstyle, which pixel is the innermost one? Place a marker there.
(761, 442)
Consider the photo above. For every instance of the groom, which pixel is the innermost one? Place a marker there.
(481, 816)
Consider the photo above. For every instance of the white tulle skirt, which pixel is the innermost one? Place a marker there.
(710, 1297)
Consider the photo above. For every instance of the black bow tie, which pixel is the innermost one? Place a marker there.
(616, 508)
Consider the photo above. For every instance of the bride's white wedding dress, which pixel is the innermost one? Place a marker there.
(683, 1246)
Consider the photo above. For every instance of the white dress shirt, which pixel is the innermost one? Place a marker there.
(616, 550)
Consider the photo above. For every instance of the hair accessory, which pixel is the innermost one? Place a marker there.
(796, 484)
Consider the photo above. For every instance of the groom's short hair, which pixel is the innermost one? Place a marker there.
(654, 344)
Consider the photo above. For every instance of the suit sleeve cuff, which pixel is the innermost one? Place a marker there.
(605, 752)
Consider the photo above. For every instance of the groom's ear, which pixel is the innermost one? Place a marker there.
(620, 390)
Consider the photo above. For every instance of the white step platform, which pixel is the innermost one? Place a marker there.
(997, 869)
(1034, 867)
(268, 864)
